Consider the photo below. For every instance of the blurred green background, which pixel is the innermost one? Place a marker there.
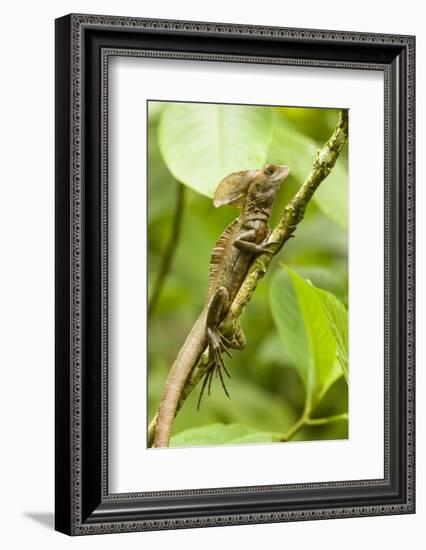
(296, 355)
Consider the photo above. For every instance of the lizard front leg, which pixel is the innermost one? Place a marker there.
(253, 238)
(253, 248)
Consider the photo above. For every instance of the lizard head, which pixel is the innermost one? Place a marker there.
(261, 184)
(274, 174)
(262, 190)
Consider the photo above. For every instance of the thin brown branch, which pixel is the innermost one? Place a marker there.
(170, 250)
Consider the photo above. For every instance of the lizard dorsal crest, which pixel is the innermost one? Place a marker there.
(232, 190)
(219, 252)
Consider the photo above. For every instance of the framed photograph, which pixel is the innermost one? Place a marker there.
(234, 274)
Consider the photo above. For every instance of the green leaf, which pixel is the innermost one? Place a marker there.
(161, 183)
(338, 318)
(332, 278)
(319, 234)
(155, 109)
(203, 143)
(220, 434)
(291, 147)
(305, 331)
(272, 351)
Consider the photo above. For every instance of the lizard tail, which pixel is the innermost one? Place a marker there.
(185, 361)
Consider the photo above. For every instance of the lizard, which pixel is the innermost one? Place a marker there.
(254, 192)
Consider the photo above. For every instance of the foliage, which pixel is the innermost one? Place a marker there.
(221, 434)
(306, 333)
(295, 364)
(289, 144)
(215, 141)
(337, 316)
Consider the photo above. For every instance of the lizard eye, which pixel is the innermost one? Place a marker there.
(269, 169)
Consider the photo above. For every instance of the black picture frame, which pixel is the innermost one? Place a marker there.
(83, 45)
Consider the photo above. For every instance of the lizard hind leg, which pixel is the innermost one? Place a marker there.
(217, 342)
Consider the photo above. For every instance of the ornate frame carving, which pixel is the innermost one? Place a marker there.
(84, 44)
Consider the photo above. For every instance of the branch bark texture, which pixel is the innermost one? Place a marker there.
(294, 211)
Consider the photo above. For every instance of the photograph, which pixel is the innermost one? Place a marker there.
(247, 255)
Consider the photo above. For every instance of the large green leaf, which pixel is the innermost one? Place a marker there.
(332, 278)
(220, 434)
(338, 318)
(203, 143)
(305, 331)
(291, 147)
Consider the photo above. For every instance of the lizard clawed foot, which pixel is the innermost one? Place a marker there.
(218, 344)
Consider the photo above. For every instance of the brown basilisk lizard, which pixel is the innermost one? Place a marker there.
(254, 192)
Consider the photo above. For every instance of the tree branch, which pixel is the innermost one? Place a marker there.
(306, 420)
(169, 252)
(324, 162)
